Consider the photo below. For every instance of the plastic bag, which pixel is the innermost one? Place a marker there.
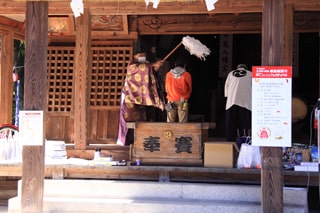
(169, 106)
(2, 148)
(243, 139)
(249, 156)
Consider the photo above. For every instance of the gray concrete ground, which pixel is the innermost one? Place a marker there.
(3, 209)
(314, 203)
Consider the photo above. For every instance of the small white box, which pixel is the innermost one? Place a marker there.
(309, 164)
(306, 168)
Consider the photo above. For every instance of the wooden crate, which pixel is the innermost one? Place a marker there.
(168, 143)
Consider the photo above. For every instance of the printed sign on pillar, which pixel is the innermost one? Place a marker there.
(271, 106)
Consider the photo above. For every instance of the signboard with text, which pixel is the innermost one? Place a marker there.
(271, 106)
(31, 127)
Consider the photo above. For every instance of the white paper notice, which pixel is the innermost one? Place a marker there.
(271, 106)
(31, 128)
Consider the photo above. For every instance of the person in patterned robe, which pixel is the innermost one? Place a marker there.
(141, 90)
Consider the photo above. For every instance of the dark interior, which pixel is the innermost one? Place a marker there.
(207, 99)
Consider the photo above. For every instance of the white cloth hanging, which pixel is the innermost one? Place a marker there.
(210, 4)
(76, 7)
(154, 2)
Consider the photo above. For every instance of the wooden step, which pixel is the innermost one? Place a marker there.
(8, 189)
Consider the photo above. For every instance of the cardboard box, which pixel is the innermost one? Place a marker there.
(220, 154)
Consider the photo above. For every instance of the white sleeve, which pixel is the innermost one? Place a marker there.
(226, 87)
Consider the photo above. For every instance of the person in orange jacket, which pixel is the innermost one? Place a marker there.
(178, 86)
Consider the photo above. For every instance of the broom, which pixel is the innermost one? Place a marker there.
(194, 46)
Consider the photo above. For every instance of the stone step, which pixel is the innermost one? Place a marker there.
(106, 205)
(143, 196)
(145, 205)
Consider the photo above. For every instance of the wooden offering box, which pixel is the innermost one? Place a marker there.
(168, 143)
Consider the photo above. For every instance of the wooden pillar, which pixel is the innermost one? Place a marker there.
(272, 55)
(81, 70)
(288, 35)
(318, 132)
(6, 83)
(35, 87)
(319, 89)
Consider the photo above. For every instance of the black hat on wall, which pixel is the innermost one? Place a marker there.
(242, 66)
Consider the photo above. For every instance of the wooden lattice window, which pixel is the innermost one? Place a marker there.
(109, 66)
(60, 76)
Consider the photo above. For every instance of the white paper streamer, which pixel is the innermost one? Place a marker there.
(154, 2)
(76, 7)
(195, 47)
(210, 4)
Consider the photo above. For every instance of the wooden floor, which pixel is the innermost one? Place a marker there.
(160, 173)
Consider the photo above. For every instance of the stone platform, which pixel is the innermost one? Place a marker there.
(95, 196)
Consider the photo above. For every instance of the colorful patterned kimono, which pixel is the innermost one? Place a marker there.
(140, 90)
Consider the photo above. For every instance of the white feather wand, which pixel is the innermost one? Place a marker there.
(194, 46)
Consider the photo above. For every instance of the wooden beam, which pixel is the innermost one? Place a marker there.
(309, 5)
(219, 24)
(177, 173)
(6, 83)
(181, 24)
(272, 55)
(81, 70)
(17, 26)
(35, 99)
(288, 36)
(165, 7)
(114, 35)
(199, 24)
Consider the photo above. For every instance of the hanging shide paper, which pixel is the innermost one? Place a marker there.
(195, 47)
